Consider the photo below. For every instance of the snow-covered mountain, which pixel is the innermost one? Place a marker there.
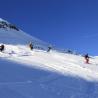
(41, 74)
(10, 34)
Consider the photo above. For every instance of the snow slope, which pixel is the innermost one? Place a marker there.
(38, 74)
(63, 63)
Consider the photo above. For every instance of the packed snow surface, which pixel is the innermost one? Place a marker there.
(62, 63)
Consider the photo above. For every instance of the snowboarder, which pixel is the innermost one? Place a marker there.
(31, 46)
(49, 48)
(86, 58)
(2, 48)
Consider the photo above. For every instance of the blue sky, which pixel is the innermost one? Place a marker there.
(71, 24)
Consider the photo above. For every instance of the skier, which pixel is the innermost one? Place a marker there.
(49, 48)
(31, 45)
(2, 48)
(86, 58)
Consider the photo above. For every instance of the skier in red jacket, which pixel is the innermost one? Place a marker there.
(86, 59)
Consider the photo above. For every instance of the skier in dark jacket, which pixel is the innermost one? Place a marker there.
(86, 58)
(31, 46)
(49, 48)
(2, 48)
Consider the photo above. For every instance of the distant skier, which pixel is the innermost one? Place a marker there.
(86, 58)
(2, 48)
(31, 46)
(49, 48)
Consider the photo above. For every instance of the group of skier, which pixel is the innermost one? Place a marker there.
(31, 46)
